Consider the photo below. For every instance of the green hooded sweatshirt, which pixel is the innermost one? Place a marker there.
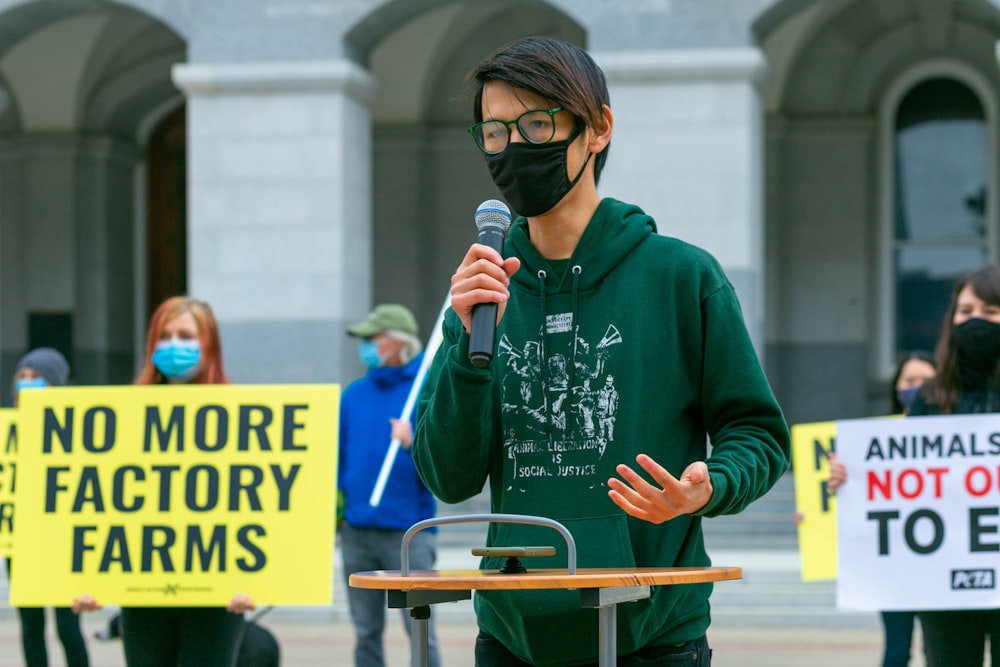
(636, 345)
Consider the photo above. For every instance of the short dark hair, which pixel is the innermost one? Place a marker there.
(550, 68)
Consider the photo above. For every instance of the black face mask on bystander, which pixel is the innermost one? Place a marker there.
(978, 344)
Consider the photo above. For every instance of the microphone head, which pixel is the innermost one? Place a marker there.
(493, 213)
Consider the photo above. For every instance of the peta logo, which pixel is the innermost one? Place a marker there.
(972, 579)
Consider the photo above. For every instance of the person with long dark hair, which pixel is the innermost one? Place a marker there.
(967, 382)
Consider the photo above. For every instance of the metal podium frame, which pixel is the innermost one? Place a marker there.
(600, 588)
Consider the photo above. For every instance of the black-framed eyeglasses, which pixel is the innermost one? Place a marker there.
(537, 126)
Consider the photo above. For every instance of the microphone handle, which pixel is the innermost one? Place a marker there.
(484, 315)
(484, 328)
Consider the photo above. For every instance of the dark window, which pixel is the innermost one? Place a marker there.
(940, 204)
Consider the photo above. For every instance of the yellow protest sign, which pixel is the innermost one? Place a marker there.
(176, 495)
(817, 506)
(8, 478)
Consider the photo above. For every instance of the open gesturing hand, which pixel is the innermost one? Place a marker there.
(657, 504)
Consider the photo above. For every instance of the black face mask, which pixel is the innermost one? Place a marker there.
(532, 177)
(978, 344)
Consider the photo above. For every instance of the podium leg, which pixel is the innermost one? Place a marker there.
(608, 640)
(605, 600)
(420, 638)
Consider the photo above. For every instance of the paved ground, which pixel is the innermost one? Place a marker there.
(311, 643)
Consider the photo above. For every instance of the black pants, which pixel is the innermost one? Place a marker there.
(33, 634)
(181, 636)
(695, 653)
(898, 626)
(33, 637)
(958, 638)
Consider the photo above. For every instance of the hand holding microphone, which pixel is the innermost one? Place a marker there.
(492, 220)
(479, 286)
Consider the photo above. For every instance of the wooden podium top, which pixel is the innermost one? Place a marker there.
(460, 580)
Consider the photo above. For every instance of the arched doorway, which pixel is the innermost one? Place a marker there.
(850, 285)
(82, 80)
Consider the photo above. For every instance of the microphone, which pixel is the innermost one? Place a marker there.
(492, 220)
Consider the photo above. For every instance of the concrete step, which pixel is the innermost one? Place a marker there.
(772, 594)
(767, 523)
(717, 540)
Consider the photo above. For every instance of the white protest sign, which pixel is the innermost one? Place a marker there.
(919, 515)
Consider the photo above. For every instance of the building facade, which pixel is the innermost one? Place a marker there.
(293, 162)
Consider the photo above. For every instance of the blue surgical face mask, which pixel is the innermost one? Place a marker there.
(178, 359)
(368, 353)
(31, 383)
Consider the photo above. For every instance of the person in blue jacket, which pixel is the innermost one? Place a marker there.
(370, 536)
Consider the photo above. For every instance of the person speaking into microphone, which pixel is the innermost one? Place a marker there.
(619, 353)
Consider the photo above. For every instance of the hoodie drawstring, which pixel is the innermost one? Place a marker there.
(574, 303)
(570, 428)
(543, 371)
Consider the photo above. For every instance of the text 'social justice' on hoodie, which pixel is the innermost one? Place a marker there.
(638, 347)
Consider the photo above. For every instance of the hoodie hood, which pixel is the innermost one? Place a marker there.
(614, 231)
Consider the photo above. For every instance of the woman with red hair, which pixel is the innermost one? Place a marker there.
(182, 346)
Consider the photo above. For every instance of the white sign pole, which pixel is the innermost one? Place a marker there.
(433, 342)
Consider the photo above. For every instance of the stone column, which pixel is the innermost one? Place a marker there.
(688, 148)
(279, 158)
(67, 225)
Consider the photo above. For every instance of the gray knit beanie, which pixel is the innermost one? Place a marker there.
(49, 362)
